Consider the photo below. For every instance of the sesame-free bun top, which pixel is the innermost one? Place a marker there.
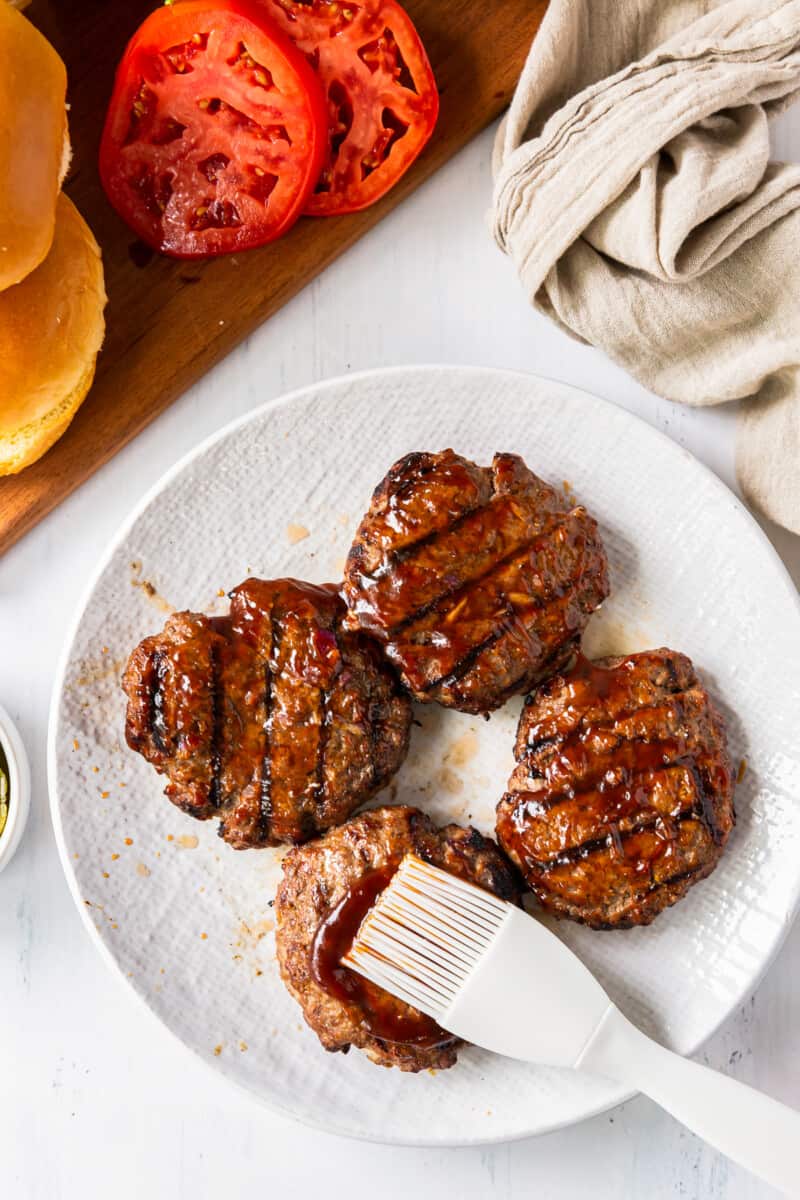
(51, 328)
(33, 144)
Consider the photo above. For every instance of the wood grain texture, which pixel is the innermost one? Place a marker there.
(168, 322)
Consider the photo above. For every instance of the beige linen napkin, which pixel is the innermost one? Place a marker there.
(634, 192)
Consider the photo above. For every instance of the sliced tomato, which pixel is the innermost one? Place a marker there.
(216, 131)
(380, 89)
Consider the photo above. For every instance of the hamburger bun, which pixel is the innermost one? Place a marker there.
(51, 328)
(34, 147)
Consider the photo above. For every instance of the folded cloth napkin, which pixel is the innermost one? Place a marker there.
(634, 192)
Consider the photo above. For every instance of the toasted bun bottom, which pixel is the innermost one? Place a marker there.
(51, 329)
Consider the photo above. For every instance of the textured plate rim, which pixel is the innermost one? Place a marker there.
(668, 444)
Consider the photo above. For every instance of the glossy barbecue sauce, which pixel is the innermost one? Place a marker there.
(503, 568)
(388, 1019)
(629, 789)
(261, 613)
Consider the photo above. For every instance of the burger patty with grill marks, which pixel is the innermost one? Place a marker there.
(622, 797)
(478, 582)
(273, 719)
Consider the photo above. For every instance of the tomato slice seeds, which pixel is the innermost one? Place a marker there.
(380, 90)
(216, 131)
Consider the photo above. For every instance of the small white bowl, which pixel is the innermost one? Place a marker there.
(19, 788)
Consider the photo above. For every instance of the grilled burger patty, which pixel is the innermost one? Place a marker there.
(327, 888)
(273, 718)
(622, 797)
(477, 581)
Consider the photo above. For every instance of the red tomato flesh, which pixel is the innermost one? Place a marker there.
(379, 86)
(216, 131)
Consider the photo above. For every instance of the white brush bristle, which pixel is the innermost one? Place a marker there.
(425, 935)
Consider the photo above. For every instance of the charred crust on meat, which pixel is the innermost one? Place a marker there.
(622, 796)
(275, 718)
(478, 582)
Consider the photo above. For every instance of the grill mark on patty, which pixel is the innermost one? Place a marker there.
(419, 469)
(325, 725)
(614, 838)
(673, 755)
(265, 791)
(265, 781)
(393, 557)
(411, 462)
(546, 799)
(534, 748)
(155, 716)
(507, 622)
(679, 877)
(554, 736)
(657, 756)
(587, 727)
(326, 721)
(466, 662)
(324, 734)
(649, 754)
(702, 810)
(217, 710)
(624, 803)
(674, 743)
(495, 565)
(379, 710)
(707, 807)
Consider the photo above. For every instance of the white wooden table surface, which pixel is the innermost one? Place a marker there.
(96, 1099)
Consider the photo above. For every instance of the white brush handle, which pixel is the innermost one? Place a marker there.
(760, 1134)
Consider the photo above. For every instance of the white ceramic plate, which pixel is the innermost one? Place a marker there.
(186, 920)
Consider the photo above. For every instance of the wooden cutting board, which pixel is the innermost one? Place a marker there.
(168, 322)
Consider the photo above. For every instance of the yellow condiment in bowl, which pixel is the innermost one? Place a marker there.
(15, 788)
